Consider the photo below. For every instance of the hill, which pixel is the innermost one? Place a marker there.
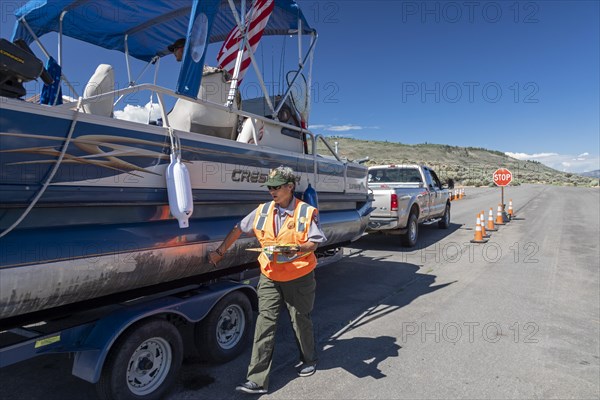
(469, 166)
(592, 174)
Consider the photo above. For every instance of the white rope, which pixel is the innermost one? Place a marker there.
(50, 177)
(175, 143)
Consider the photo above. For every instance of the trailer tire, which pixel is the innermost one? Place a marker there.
(225, 332)
(143, 363)
(444, 223)
(409, 239)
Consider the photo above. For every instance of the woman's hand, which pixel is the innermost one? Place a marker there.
(289, 253)
(290, 250)
(214, 256)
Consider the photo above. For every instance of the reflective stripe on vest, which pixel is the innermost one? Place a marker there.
(301, 224)
(264, 213)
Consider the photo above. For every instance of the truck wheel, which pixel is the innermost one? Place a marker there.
(224, 333)
(444, 223)
(409, 239)
(143, 363)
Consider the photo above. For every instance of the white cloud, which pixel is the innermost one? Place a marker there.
(341, 128)
(525, 156)
(562, 162)
(344, 128)
(138, 113)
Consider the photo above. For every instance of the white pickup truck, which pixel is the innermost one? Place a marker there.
(404, 196)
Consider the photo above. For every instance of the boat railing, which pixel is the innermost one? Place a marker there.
(327, 145)
(160, 91)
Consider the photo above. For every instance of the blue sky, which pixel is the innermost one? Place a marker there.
(515, 77)
(520, 77)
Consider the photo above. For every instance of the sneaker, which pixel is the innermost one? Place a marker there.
(306, 369)
(250, 387)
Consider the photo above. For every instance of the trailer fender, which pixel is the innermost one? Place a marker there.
(88, 364)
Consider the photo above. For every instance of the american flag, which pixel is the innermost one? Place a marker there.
(258, 16)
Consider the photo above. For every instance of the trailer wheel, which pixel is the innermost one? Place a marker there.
(409, 239)
(224, 333)
(143, 363)
(444, 223)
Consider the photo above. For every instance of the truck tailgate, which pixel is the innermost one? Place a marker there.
(382, 199)
(382, 204)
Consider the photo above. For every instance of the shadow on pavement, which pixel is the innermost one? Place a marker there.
(351, 294)
(360, 356)
(428, 235)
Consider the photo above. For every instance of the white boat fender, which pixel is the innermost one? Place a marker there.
(179, 190)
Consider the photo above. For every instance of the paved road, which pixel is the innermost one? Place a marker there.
(518, 317)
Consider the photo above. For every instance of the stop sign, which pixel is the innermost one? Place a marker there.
(502, 177)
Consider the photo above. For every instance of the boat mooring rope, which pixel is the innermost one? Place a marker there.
(52, 173)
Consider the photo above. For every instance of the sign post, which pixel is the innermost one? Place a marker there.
(502, 177)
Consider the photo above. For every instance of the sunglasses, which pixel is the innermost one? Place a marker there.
(276, 187)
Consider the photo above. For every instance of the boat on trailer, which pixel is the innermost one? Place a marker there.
(85, 211)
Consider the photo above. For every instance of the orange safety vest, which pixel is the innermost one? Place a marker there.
(293, 230)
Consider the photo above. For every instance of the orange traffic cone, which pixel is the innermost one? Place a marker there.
(460, 193)
(478, 235)
(481, 219)
(499, 219)
(490, 225)
(510, 209)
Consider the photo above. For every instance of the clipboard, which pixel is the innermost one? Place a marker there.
(281, 248)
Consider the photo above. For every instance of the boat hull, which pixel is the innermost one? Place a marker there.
(103, 225)
(89, 267)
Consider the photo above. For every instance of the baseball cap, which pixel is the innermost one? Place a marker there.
(280, 176)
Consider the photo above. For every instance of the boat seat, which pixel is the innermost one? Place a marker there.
(270, 133)
(103, 81)
(198, 118)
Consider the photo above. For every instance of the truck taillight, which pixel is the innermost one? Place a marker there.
(394, 205)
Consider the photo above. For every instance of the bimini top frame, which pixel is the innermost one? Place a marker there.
(144, 30)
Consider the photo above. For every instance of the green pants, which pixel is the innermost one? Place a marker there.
(299, 297)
